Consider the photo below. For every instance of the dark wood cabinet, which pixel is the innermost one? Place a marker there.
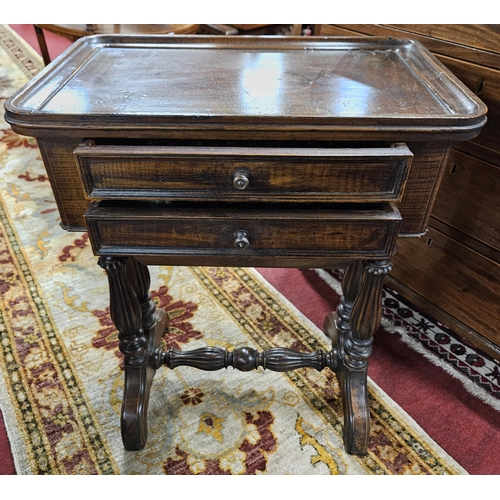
(453, 272)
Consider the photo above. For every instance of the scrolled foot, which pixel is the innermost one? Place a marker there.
(140, 330)
(351, 330)
(137, 388)
(353, 386)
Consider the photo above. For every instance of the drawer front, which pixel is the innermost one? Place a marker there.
(455, 278)
(468, 198)
(169, 230)
(480, 36)
(486, 83)
(243, 174)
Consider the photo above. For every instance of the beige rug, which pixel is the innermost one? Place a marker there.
(60, 381)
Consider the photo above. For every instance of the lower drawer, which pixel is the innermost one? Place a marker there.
(201, 233)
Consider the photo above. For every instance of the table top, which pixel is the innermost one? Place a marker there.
(199, 81)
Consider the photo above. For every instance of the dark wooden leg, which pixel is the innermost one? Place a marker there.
(365, 319)
(43, 44)
(351, 330)
(140, 330)
(140, 281)
(337, 324)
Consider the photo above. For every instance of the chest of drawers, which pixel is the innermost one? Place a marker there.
(461, 252)
(281, 152)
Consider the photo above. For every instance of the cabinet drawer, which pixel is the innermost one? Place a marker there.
(458, 280)
(243, 173)
(486, 83)
(468, 198)
(475, 36)
(248, 230)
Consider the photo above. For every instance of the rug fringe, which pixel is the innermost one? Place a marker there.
(17, 451)
(469, 386)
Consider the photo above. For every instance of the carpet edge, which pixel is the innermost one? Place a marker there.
(17, 451)
(26, 48)
(372, 386)
(423, 435)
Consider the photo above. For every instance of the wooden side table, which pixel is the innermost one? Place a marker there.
(251, 29)
(76, 31)
(278, 152)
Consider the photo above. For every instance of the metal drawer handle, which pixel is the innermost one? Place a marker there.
(241, 239)
(241, 179)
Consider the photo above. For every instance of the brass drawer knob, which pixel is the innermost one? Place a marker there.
(241, 179)
(241, 239)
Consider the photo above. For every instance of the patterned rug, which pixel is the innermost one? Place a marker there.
(60, 376)
(478, 372)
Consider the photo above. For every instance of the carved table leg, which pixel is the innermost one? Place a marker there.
(337, 324)
(140, 330)
(351, 330)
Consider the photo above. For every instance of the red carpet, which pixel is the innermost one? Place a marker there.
(55, 44)
(454, 416)
(6, 461)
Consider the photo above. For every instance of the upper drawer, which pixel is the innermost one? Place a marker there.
(243, 173)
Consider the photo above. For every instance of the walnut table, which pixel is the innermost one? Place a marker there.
(245, 151)
(75, 31)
